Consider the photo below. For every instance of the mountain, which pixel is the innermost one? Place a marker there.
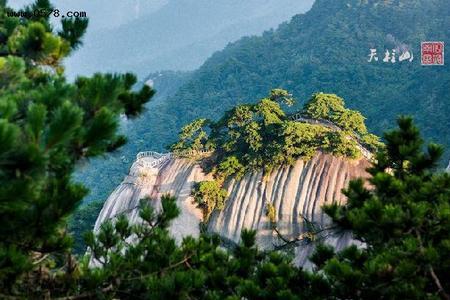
(179, 35)
(294, 191)
(327, 49)
(217, 23)
(255, 154)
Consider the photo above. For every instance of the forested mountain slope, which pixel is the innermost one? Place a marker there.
(327, 49)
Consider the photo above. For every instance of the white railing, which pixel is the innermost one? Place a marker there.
(149, 154)
(158, 159)
(300, 118)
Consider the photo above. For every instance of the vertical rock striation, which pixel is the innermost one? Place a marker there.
(295, 191)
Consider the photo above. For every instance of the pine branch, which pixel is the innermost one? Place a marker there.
(436, 279)
(315, 230)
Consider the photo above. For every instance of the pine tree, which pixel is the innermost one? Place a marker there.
(403, 220)
(154, 267)
(47, 125)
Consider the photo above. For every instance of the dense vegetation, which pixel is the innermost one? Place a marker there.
(46, 126)
(404, 222)
(258, 136)
(403, 219)
(83, 220)
(327, 50)
(210, 196)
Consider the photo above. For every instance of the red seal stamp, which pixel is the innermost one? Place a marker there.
(432, 53)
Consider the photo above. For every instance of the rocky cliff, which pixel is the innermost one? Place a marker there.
(295, 191)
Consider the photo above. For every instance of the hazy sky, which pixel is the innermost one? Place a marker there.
(135, 18)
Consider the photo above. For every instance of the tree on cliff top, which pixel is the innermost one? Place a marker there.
(262, 136)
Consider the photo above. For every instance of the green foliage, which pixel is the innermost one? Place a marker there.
(231, 166)
(371, 141)
(404, 221)
(340, 144)
(299, 140)
(271, 213)
(350, 120)
(47, 126)
(192, 137)
(155, 267)
(258, 136)
(72, 31)
(324, 106)
(331, 107)
(210, 196)
(281, 96)
(326, 50)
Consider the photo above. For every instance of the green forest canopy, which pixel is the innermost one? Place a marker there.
(261, 135)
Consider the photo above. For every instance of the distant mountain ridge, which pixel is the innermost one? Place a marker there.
(179, 35)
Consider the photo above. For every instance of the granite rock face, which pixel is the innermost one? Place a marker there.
(296, 192)
(175, 177)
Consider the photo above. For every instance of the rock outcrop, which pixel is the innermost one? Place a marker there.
(174, 176)
(296, 192)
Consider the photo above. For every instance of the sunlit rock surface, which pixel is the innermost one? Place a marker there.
(295, 191)
(175, 177)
